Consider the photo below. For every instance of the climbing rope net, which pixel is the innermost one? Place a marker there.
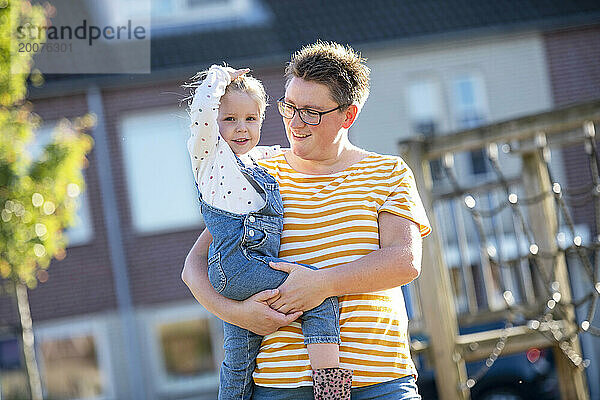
(569, 244)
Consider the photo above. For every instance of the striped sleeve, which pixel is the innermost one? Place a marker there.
(404, 199)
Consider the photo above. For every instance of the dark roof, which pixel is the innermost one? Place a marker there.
(292, 23)
(295, 23)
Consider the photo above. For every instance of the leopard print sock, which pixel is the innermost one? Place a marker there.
(332, 383)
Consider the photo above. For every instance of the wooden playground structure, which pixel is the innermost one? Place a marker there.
(549, 318)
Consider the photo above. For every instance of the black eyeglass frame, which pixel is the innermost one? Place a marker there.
(296, 109)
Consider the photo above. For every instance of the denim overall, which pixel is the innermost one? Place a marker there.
(238, 267)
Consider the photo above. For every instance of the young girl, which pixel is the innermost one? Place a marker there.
(243, 211)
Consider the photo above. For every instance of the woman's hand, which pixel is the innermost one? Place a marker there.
(302, 290)
(255, 315)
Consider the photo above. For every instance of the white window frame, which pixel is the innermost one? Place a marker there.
(480, 94)
(464, 161)
(140, 225)
(437, 114)
(78, 328)
(164, 385)
(210, 12)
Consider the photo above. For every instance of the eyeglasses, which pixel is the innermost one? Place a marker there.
(307, 115)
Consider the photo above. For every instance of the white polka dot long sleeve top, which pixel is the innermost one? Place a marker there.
(215, 168)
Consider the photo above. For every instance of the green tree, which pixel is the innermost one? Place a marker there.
(37, 196)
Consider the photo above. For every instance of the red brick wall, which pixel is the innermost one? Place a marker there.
(573, 61)
(573, 56)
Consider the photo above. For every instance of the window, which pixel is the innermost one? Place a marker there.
(161, 187)
(470, 107)
(478, 162)
(10, 354)
(74, 362)
(14, 384)
(425, 112)
(71, 368)
(185, 349)
(424, 106)
(205, 3)
(81, 232)
(167, 13)
(160, 17)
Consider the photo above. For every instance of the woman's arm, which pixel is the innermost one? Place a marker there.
(396, 263)
(253, 314)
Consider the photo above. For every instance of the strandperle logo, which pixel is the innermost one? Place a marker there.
(83, 32)
(86, 37)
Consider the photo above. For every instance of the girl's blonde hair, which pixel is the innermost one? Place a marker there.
(244, 84)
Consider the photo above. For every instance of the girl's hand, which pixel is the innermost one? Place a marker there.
(255, 315)
(302, 290)
(236, 73)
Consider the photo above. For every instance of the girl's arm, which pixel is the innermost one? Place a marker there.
(204, 111)
(253, 313)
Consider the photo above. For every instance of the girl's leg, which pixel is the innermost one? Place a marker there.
(323, 355)
(320, 325)
(329, 380)
(241, 348)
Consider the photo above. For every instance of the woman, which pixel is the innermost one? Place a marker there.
(355, 215)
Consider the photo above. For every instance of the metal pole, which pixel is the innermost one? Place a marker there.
(116, 250)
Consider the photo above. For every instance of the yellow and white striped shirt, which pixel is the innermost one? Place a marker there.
(330, 220)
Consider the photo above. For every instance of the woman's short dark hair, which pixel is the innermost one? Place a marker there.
(340, 68)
